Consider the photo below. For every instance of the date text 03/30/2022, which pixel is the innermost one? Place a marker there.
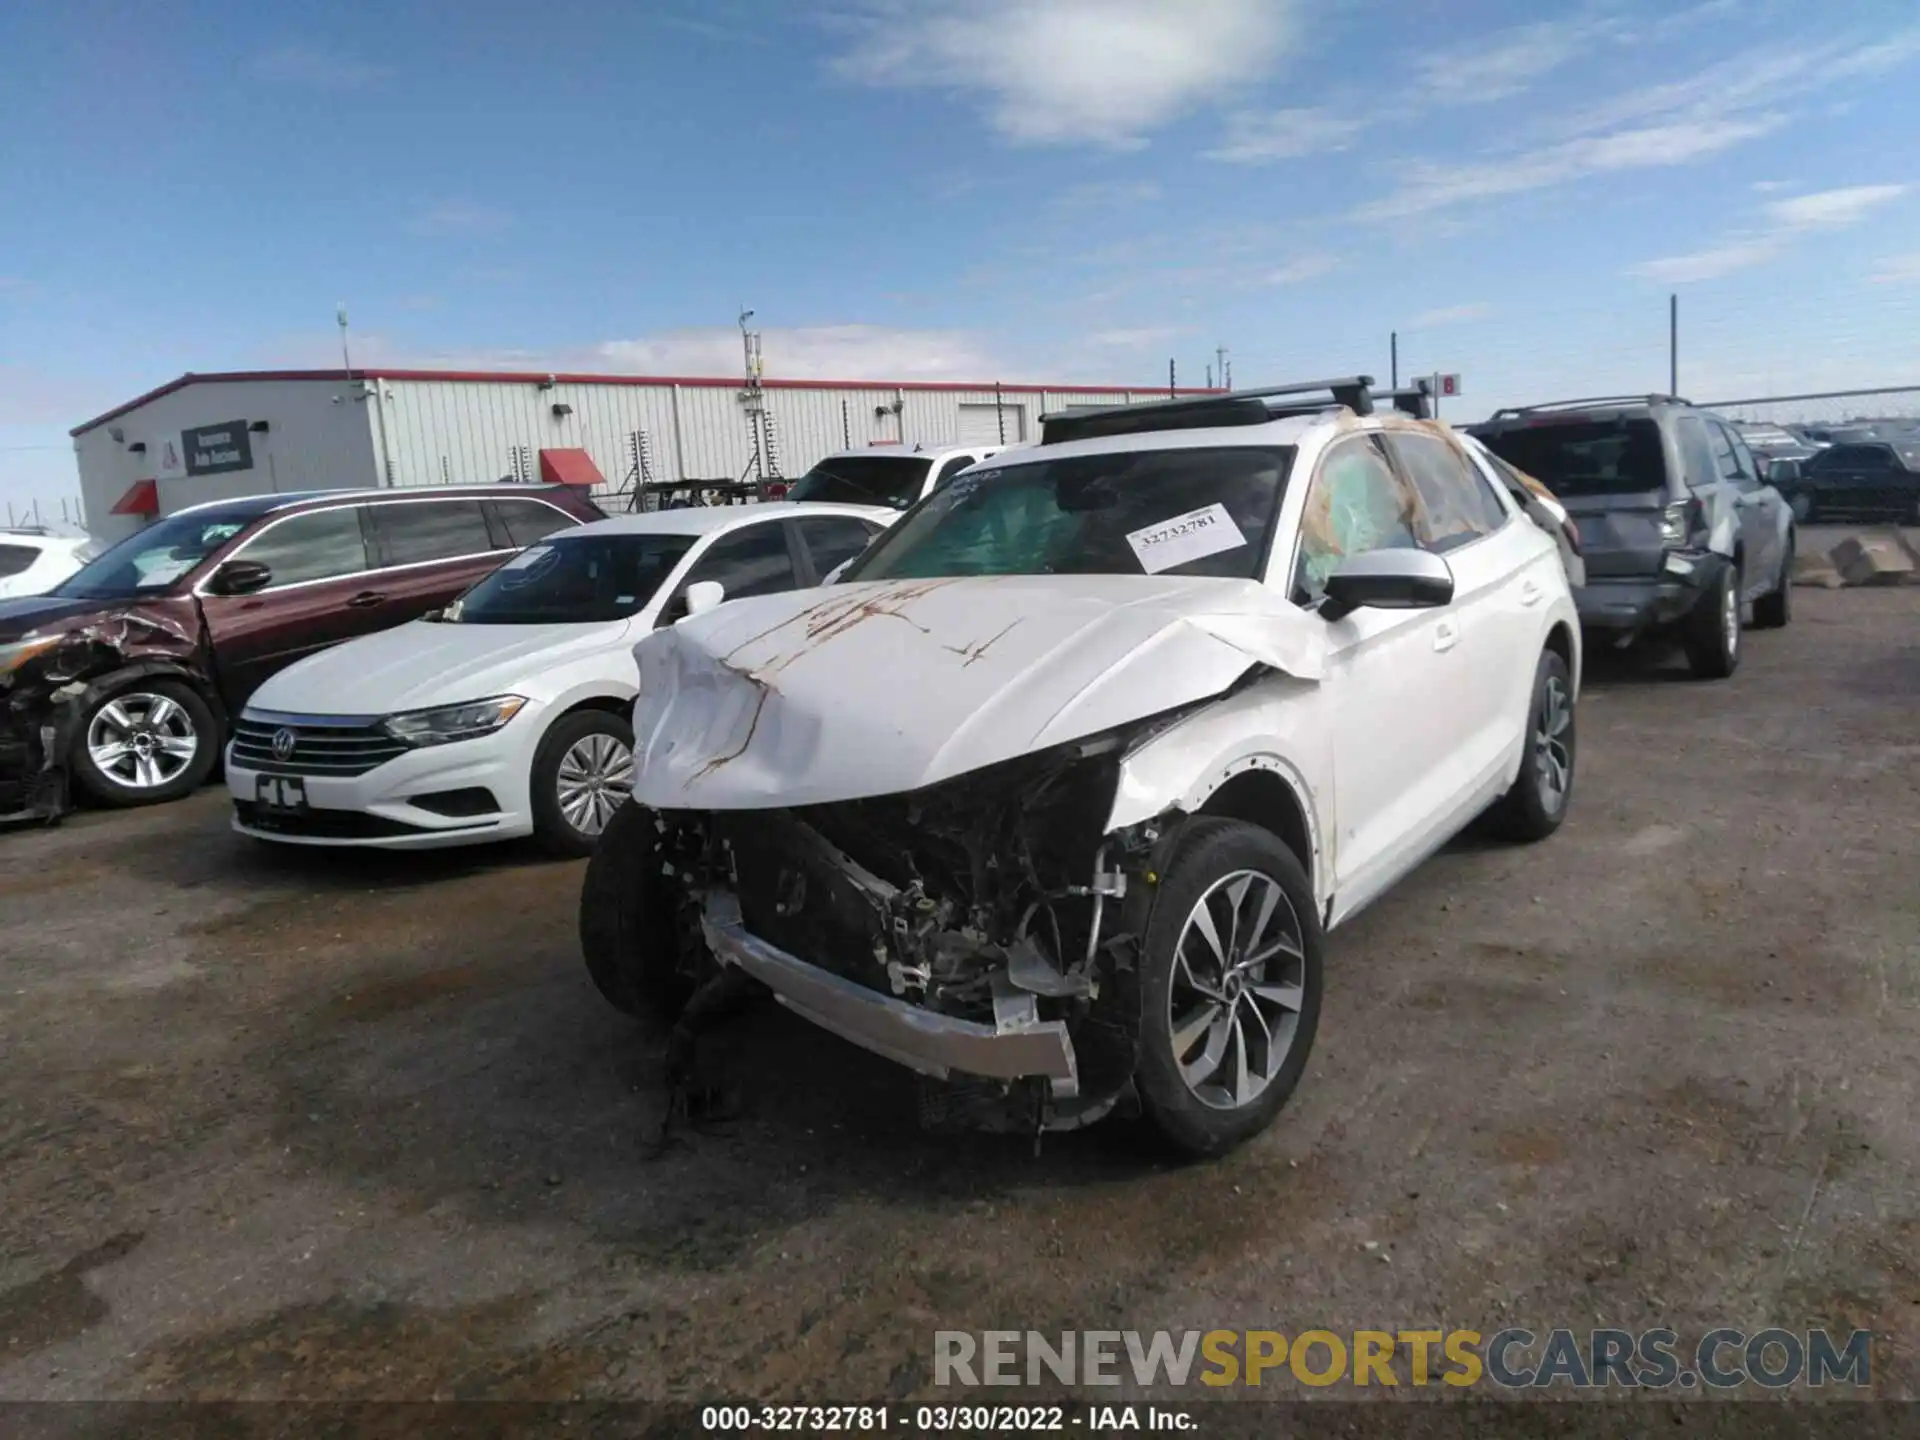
(939, 1419)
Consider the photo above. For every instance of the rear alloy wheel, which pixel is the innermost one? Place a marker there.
(152, 742)
(1537, 803)
(1712, 634)
(582, 774)
(1230, 986)
(1773, 610)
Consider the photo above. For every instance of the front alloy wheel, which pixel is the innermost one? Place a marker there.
(582, 776)
(1229, 985)
(144, 745)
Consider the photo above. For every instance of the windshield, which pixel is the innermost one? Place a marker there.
(893, 480)
(1144, 512)
(574, 579)
(1586, 457)
(153, 558)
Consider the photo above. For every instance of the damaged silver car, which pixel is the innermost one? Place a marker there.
(1055, 796)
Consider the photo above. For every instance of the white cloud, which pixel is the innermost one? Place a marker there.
(1712, 263)
(1430, 187)
(821, 352)
(1138, 339)
(458, 217)
(1823, 210)
(1300, 269)
(1106, 194)
(315, 68)
(1769, 187)
(1505, 62)
(1450, 315)
(1832, 209)
(1898, 270)
(1736, 100)
(1257, 137)
(1105, 72)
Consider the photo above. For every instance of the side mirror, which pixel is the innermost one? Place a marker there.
(703, 595)
(1387, 580)
(240, 577)
(1783, 472)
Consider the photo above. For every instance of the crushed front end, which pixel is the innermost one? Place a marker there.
(977, 931)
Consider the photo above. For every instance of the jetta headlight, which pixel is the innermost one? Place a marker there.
(447, 723)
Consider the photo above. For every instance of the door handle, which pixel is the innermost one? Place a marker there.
(367, 598)
(1530, 592)
(1445, 634)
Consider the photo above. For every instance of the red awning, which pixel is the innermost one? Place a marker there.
(142, 498)
(570, 467)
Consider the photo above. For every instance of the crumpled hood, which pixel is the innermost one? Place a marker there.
(23, 615)
(427, 663)
(868, 689)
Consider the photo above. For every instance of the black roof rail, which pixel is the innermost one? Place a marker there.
(1231, 407)
(1591, 402)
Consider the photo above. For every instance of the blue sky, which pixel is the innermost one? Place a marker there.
(1027, 190)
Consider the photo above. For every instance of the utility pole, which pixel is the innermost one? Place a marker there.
(1220, 356)
(1393, 358)
(1673, 344)
(1173, 390)
(340, 317)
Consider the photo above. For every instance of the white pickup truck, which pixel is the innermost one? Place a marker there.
(890, 475)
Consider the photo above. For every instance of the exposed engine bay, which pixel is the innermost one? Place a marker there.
(991, 898)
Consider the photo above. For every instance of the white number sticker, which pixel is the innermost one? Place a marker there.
(1192, 536)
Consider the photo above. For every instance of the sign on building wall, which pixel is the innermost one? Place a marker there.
(217, 449)
(171, 465)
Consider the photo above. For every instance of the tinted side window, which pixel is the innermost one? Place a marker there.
(1356, 504)
(526, 521)
(1698, 455)
(413, 531)
(754, 561)
(834, 539)
(321, 545)
(16, 559)
(1456, 508)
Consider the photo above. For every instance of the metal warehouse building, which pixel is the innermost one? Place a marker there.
(209, 437)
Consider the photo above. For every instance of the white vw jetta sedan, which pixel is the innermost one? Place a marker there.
(508, 714)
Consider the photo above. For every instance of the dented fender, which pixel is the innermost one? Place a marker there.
(1268, 726)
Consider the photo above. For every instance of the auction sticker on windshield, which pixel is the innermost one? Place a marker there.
(1192, 536)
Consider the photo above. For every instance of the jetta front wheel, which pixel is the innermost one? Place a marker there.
(1230, 986)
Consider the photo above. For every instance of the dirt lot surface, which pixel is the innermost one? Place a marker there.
(337, 1126)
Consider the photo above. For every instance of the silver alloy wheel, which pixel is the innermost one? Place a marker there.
(141, 740)
(594, 777)
(1730, 615)
(1239, 973)
(1553, 763)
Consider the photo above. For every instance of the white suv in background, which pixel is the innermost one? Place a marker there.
(33, 559)
(889, 475)
(508, 713)
(1053, 797)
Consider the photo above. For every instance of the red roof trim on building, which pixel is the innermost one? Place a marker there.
(702, 382)
(570, 467)
(142, 498)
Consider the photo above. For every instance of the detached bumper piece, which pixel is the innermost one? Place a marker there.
(1017, 1046)
(33, 772)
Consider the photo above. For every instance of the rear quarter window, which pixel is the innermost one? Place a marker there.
(1585, 457)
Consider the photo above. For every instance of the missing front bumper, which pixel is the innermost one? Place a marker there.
(1016, 1048)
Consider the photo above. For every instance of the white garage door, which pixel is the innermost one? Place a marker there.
(981, 424)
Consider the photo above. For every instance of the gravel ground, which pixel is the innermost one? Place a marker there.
(341, 1127)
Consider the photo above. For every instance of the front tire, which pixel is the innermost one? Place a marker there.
(145, 744)
(1712, 635)
(1229, 988)
(1774, 610)
(582, 771)
(629, 928)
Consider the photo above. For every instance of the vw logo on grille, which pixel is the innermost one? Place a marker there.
(283, 743)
